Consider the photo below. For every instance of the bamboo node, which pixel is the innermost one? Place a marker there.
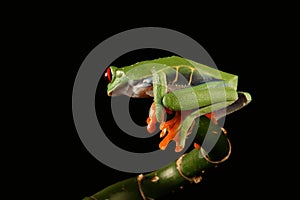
(178, 166)
(205, 156)
(139, 181)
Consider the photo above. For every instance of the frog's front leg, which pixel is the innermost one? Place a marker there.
(157, 110)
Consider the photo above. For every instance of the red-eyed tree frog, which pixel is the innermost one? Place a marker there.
(180, 86)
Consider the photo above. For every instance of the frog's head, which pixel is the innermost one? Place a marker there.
(117, 81)
(121, 84)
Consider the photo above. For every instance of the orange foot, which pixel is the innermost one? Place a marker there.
(172, 128)
(169, 129)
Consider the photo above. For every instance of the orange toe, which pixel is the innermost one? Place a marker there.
(196, 145)
(212, 117)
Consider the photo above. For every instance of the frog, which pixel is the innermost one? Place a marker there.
(180, 87)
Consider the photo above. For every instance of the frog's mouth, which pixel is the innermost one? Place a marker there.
(134, 88)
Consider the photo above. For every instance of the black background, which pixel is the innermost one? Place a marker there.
(228, 51)
(54, 164)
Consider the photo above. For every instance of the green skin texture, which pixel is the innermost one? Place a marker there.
(203, 98)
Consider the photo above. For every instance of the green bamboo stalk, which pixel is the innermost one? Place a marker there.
(185, 170)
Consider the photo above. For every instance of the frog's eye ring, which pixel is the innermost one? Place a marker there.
(108, 75)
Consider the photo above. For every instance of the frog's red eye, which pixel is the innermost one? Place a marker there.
(108, 74)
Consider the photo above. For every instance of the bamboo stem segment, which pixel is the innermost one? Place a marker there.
(187, 169)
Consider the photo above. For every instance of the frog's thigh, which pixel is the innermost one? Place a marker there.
(198, 96)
